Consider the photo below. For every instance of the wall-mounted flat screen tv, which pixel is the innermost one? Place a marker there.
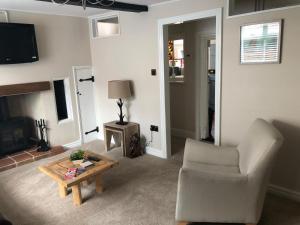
(17, 43)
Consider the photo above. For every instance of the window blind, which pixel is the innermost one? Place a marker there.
(260, 43)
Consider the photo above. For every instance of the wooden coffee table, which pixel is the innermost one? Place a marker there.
(56, 170)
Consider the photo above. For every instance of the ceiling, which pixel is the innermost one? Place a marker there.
(50, 8)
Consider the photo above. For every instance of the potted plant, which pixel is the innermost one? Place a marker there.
(77, 157)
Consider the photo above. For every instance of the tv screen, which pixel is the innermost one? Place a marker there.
(17, 43)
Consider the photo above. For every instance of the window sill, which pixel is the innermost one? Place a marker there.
(61, 122)
(106, 36)
(177, 79)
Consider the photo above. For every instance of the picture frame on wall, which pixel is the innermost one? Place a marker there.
(260, 43)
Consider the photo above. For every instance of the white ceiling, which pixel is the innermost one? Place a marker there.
(50, 8)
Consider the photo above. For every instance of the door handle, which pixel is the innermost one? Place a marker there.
(88, 79)
(91, 131)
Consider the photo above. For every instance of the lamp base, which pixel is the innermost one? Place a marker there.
(122, 123)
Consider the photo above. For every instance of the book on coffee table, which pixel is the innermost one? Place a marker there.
(86, 164)
(71, 173)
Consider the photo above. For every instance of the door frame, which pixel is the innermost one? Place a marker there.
(201, 76)
(164, 82)
(74, 68)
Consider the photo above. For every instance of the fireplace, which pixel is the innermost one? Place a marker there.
(19, 105)
(16, 133)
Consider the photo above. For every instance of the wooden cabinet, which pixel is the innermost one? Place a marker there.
(121, 135)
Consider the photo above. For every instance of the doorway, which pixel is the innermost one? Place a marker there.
(84, 89)
(179, 75)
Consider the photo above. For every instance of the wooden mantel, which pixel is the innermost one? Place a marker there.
(26, 88)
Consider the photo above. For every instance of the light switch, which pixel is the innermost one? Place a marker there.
(153, 72)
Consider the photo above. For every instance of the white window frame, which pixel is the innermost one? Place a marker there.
(94, 18)
(68, 100)
(278, 61)
(179, 79)
(5, 16)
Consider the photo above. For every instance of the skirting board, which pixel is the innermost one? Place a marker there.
(72, 144)
(182, 133)
(155, 152)
(284, 192)
(149, 150)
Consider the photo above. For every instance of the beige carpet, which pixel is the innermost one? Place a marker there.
(139, 191)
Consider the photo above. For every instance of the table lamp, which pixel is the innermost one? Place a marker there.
(119, 89)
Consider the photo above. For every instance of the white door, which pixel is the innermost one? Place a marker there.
(84, 81)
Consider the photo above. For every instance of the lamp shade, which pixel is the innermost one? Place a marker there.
(119, 89)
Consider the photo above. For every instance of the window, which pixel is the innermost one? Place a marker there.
(238, 7)
(260, 43)
(63, 100)
(176, 60)
(211, 56)
(106, 26)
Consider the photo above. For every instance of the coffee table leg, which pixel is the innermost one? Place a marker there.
(99, 186)
(77, 199)
(62, 190)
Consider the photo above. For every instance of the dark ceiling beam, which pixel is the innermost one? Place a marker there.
(120, 6)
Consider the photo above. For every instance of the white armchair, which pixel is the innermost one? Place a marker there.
(227, 185)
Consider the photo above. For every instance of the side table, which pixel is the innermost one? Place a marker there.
(121, 135)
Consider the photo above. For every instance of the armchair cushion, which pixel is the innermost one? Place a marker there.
(207, 157)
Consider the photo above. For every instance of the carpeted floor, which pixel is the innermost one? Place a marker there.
(139, 191)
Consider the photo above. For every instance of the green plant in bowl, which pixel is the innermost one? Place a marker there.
(77, 155)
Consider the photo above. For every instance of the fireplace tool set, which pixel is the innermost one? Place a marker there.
(43, 144)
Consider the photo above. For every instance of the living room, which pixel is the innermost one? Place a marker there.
(74, 55)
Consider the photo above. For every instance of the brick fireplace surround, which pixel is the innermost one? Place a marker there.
(27, 156)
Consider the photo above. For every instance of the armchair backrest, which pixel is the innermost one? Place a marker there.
(260, 142)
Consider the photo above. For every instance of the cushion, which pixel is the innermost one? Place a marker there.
(197, 153)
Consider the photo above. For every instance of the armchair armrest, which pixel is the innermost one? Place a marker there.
(196, 151)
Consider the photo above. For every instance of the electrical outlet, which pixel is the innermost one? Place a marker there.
(154, 128)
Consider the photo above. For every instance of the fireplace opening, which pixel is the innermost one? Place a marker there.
(16, 132)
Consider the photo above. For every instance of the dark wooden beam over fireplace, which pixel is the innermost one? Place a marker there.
(120, 6)
(26, 88)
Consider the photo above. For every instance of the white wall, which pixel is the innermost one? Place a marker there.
(62, 43)
(131, 56)
(248, 91)
(268, 91)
